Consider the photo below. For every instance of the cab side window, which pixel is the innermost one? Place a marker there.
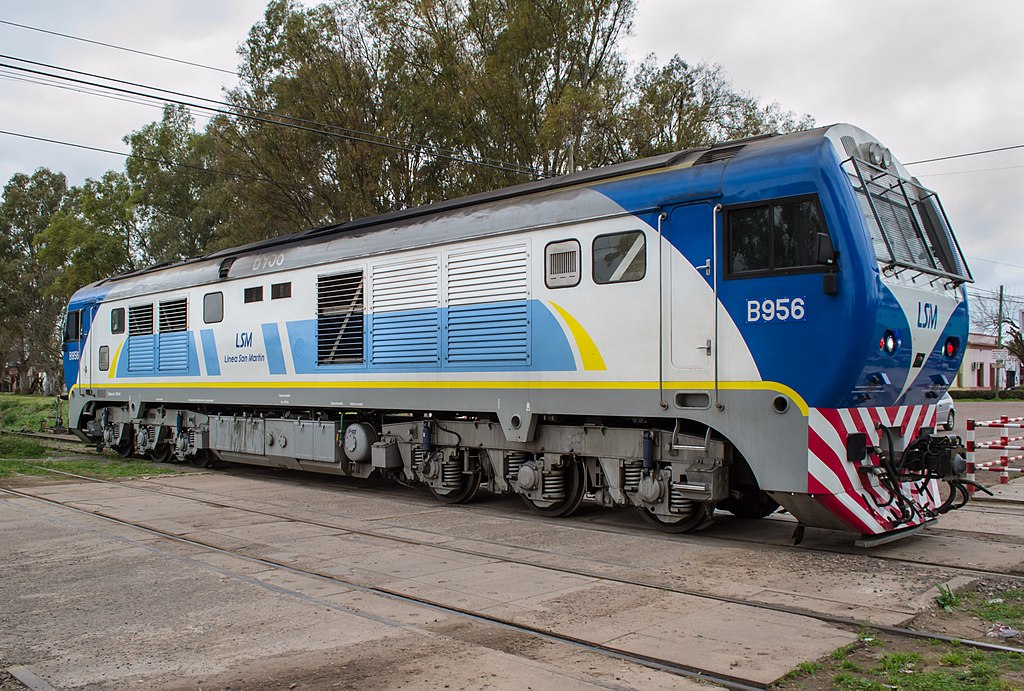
(777, 237)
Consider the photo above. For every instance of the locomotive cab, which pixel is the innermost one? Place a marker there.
(77, 323)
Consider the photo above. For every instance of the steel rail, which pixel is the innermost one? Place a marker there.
(653, 662)
(784, 609)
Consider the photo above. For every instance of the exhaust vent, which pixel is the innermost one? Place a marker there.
(716, 155)
(225, 267)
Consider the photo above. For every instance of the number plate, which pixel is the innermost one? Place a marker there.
(776, 310)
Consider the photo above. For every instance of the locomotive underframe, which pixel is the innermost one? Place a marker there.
(675, 476)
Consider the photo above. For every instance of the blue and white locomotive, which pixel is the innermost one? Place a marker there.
(761, 322)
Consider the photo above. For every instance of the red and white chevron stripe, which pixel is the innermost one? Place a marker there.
(855, 496)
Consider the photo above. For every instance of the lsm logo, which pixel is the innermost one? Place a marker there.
(927, 315)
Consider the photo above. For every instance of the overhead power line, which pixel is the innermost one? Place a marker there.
(117, 47)
(233, 110)
(965, 155)
(125, 154)
(966, 172)
(993, 261)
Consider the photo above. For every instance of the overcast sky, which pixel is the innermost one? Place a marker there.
(928, 78)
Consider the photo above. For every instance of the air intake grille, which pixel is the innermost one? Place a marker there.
(562, 263)
(140, 320)
(340, 318)
(173, 316)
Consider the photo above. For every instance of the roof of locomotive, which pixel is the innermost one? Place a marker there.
(216, 266)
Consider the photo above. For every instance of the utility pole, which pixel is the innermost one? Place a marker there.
(999, 336)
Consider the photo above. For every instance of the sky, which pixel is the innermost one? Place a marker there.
(928, 78)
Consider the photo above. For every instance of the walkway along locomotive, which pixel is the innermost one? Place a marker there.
(761, 322)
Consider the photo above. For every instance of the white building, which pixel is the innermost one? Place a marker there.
(986, 366)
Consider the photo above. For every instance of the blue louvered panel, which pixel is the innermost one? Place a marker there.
(488, 333)
(404, 338)
(141, 353)
(173, 352)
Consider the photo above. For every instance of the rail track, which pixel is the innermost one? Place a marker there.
(615, 525)
(657, 663)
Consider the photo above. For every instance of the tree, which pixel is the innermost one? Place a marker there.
(395, 103)
(29, 307)
(97, 236)
(678, 106)
(170, 180)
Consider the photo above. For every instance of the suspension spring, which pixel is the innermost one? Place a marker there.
(554, 484)
(631, 477)
(451, 472)
(679, 504)
(513, 462)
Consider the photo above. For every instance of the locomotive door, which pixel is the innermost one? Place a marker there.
(88, 314)
(689, 266)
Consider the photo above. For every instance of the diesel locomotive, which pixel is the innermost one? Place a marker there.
(762, 322)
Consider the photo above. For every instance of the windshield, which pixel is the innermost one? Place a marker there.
(907, 223)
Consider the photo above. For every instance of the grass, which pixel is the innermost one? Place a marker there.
(20, 447)
(27, 456)
(106, 468)
(18, 412)
(947, 599)
(1009, 611)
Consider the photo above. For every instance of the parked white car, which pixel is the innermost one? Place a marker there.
(945, 414)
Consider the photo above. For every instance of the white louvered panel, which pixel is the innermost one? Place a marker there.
(492, 275)
(407, 286)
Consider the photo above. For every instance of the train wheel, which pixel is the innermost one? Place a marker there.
(161, 454)
(201, 459)
(125, 449)
(756, 504)
(462, 495)
(575, 488)
(700, 516)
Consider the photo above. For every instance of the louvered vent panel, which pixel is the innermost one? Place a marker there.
(489, 334)
(141, 343)
(141, 353)
(174, 316)
(140, 320)
(407, 286)
(404, 327)
(488, 308)
(399, 338)
(488, 276)
(172, 352)
(340, 318)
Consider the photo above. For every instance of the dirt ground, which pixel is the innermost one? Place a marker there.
(89, 604)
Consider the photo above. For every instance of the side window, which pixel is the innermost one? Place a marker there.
(140, 320)
(117, 321)
(620, 257)
(562, 264)
(750, 240)
(213, 308)
(104, 358)
(73, 326)
(280, 290)
(778, 237)
(254, 294)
